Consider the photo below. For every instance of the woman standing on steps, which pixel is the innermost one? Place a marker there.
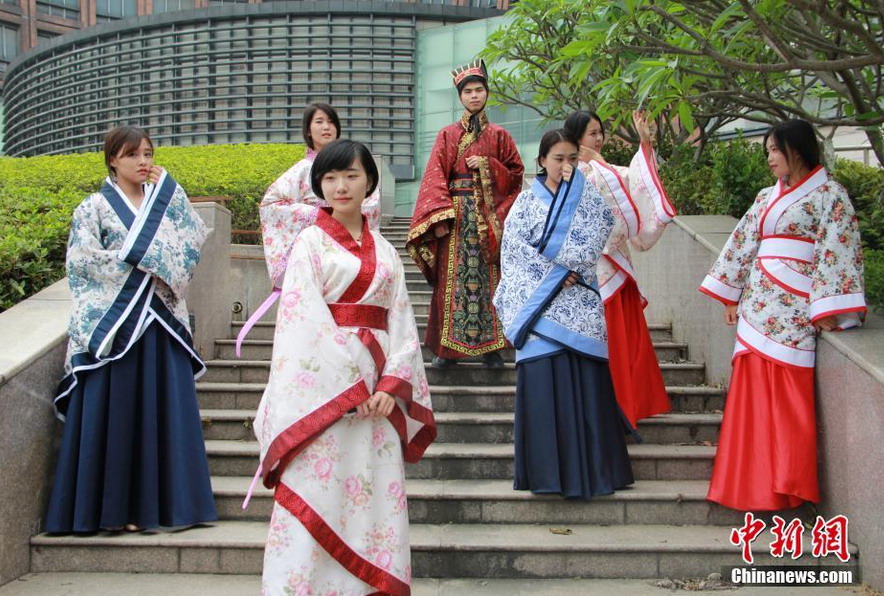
(290, 204)
(346, 402)
(569, 431)
(132, 452)
(641, 211)
(791, 268)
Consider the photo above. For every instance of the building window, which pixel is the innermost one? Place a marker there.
(219, 2)
(68, 9)
(46, 35)
(171, 5)
(8, 45)
(112, 10)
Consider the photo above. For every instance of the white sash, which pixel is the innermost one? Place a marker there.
(771, 253)
(755, 340)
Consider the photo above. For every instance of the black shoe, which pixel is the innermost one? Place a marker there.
(440, 362)
(493, 360)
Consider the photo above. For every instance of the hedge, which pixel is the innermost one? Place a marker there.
(38, 194)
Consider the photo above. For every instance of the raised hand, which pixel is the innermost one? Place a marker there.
(643, 127)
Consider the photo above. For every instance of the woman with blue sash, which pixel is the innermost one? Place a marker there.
(569, 431)
(132, 453)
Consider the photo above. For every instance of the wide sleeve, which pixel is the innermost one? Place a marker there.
(505, 172)
(173, 251)
(404, 376)
(728, 276)
(433, 207)
(837, 279)
(371, 209)
(284, 214)
(90, 265)
(655, 209)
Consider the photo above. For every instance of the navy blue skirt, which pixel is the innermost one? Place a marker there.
(132, 448)
(570, 434)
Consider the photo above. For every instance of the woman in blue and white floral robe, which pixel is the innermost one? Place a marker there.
(132, 452)
(569, 431)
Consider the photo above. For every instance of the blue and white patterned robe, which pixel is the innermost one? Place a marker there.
(126, 269)
(544, 239)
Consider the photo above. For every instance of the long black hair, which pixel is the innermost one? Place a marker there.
(796, 137)
(339, 155)
(550, 138)
(577, 122)
(309, 112)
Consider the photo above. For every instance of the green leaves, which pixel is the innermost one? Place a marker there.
(38, 195)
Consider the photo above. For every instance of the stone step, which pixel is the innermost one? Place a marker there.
(490, 398)
(264, 329)
(194, 584)
(446, 551)
(258, 350)
(484, 461)
(261, 349)
(432, 501)
(464, 373)
(487, 427)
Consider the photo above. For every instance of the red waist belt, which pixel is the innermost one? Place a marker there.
(359, 315)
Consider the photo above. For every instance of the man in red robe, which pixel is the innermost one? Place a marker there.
(471, 180)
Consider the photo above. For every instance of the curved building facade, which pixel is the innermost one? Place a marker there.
(228, 74)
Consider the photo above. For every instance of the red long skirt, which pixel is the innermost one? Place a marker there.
(766, 458)
(638, 382)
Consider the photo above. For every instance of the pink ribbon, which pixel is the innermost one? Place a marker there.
(256, 316)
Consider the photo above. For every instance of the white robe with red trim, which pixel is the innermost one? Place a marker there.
(345, 328)
(641, 211)
(794, 258)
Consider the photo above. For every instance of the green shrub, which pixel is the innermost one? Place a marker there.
(38, 195)
(688, 183)
(874, 278)
(739, 171)
(865, 186)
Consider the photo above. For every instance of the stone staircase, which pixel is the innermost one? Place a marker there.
(467, 522)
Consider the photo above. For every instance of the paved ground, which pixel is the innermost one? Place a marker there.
(115, 584)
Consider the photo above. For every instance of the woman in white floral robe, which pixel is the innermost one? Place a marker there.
(792, 266)
(642, 210)
(569, 431)
(345, 332)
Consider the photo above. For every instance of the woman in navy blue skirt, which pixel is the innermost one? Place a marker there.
(132, 453)
(569, 431)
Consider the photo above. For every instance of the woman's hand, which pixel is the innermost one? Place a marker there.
(154, 175)
(572, 279)
(643, 127)
(730, 314)
(441, 230)
(379, 405)
(829, 323)
(588, 154)
(473, 161)
(567, 171)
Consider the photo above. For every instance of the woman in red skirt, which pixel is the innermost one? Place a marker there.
(792, 267)
(641, 211)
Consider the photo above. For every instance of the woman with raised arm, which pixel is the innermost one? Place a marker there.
(792, 267)
(132, 453)
(641, 211)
